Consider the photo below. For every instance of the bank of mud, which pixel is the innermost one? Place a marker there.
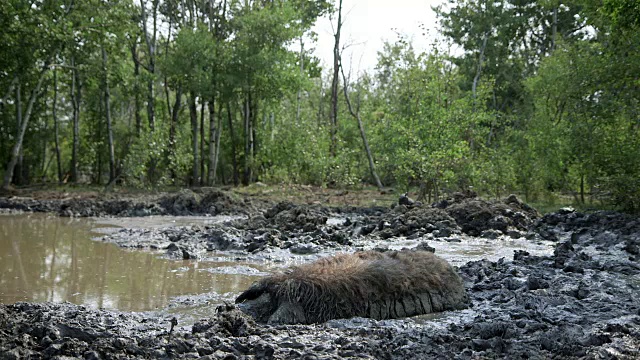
(203, 201)
(581, 301)
(287, 229)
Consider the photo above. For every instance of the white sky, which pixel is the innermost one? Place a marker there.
(368, 23)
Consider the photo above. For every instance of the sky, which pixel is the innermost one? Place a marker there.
(368, 23)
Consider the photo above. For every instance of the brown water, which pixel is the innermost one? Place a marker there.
(47, 258)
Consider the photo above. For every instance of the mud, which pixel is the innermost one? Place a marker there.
(314, 229)
(581, 301)
(204, 201)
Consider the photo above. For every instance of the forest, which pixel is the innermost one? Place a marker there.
(515, 96)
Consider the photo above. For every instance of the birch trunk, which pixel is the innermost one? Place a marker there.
(15, 151)
(334, 85)
(193, 113)
(356, 115)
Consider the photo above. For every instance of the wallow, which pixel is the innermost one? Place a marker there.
(369, 284)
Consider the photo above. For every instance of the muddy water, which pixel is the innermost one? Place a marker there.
(47, 258)
(468, 248)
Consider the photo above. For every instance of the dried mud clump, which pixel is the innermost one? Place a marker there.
(365, 284)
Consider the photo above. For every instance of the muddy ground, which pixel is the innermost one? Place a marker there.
(203, 201)
(579, 302)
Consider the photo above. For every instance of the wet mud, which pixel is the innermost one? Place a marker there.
(314, 229)
(578, 301)
(205, 201)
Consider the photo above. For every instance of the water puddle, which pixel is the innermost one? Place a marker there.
(48, 258)
(467, 248)
(148, 222)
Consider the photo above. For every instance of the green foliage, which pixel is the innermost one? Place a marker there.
(542, 99)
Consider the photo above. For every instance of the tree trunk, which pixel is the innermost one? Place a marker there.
(151, 65)
(356, 115)
(107, 106)
(218, 134)
(299, 97)
(75, 99)
(202, 142)
(8, 93)
(45, 139)
(321, 105)
(56, 126)
(554, 29)
(151, 111)
(18, 174)
(213, 136)
(234, 160)
(193, 112)
(97, 166)
(334, 85)
(136, 86)
(15, 152)
(175, 112)
(476, 78)
(582, 189)
(254, 125)
(248, 140)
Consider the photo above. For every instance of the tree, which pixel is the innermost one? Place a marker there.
(34, 39)
(356, 114)
(335, 80)
(107, 104)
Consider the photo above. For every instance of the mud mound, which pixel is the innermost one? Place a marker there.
(297, 217)
(205, 201)
(121, 207)
(228, 322)
(29, 204)
(367, 284)
(416, 221)
(285, 226)
(184, 202)
(462, 213)
(474, 215)
(299, 228)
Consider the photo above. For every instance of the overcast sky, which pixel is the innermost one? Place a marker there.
(368, 23)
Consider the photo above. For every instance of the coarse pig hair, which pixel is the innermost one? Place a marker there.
(368, 284)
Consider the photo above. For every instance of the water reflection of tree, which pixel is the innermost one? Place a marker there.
(52, 242)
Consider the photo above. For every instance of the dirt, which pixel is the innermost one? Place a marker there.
(315, 229)
(579, 302)
(203, 201)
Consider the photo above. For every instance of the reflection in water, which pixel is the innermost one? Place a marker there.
(47, 258)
